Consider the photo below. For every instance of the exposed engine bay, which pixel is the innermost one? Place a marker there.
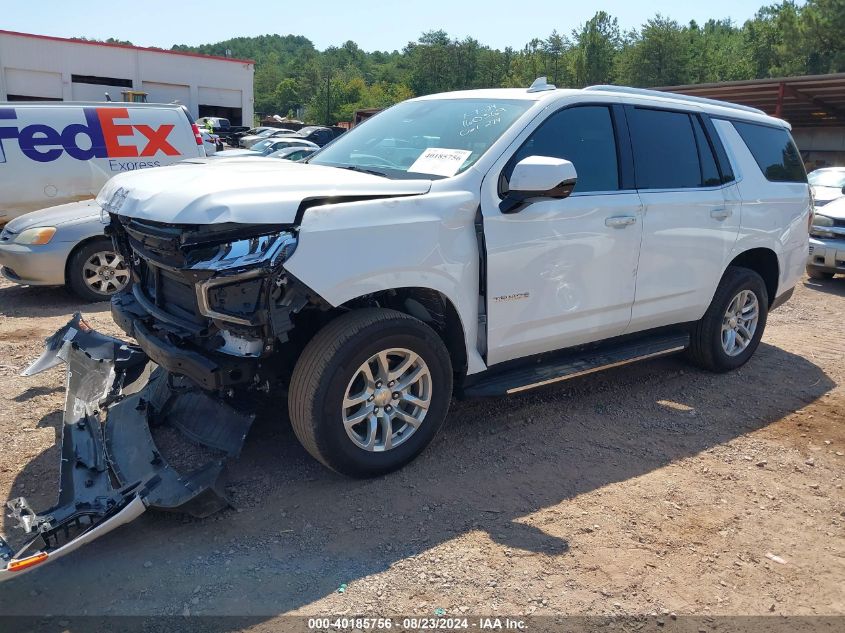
(211, 302)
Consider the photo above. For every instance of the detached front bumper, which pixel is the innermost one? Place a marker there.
(111, 470)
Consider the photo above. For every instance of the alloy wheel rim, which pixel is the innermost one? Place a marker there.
(386, 400)
(740, 322)
(105, 272)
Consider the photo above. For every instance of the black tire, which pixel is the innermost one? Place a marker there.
(328, 364)
(76, 274)
(815, 273)
(706, 348)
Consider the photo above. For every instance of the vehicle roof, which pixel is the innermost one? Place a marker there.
(99, 104)
(828, 169)
(639, 96)
(292, 149)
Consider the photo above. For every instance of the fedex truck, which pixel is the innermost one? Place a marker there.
(53, 153)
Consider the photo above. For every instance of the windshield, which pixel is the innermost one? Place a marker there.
(825, 178)
(438, 137)
(262, 145)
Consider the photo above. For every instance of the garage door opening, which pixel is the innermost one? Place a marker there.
(235, 115)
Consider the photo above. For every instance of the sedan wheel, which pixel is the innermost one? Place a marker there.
(95, 271)
(105, 273)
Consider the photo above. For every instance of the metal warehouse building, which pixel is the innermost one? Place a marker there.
(40, 67)
(813, 104)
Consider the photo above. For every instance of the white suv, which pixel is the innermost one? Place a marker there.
(479, 243)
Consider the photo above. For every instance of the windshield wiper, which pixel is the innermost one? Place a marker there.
(363, 170)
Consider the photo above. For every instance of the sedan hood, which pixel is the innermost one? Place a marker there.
(56, 216)
(835, 209)
(242, 191)
(823, 195)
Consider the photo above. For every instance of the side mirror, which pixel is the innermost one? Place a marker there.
(538, 177)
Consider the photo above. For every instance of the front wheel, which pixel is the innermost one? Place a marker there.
(730, 331)
(370, 392)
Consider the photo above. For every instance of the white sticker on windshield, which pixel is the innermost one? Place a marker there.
(439, 161)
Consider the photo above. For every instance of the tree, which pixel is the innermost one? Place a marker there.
(656, 56)
(824, 26)
(785, 38)
(267, 77)
(596, 46)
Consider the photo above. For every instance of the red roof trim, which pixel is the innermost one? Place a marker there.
(135, 48)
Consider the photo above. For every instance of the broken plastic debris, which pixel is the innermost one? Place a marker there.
(342, 588)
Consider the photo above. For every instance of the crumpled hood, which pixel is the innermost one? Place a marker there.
(56, 216)
(243, 191)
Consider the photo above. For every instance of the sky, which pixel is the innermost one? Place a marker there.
(373, 24)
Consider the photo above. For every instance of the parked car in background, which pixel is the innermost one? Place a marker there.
(235, 139)
(827, 240)
(248, 141)
(79, 146)
(211, 142)
(217, 123)
(828, 184)
(63, 245)
(317, 134)
(293, 153)
(223, 128)
(268, 146)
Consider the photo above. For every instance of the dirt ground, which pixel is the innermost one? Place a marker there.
(653, 488)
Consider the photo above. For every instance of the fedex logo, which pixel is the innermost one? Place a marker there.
(103, 135)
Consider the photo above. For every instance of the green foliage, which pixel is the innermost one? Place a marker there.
(293, 78)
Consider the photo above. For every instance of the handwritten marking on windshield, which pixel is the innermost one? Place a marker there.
(481, 117)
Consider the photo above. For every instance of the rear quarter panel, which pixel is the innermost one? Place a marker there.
(775, 215)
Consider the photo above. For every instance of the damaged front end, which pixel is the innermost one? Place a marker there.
(211, 308)
(111, 470)
(211, 302)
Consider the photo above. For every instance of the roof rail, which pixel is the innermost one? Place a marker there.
(644, 92)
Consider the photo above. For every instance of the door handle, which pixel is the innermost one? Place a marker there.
(722, 213)
(620, 221)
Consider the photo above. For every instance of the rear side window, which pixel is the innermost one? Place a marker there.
(774, 151)
(665, 149)
(582, 135)
(710, 176)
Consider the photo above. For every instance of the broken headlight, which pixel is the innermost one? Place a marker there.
(271, 249)
(241, 266)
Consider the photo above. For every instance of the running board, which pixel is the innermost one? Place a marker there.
(577, 363)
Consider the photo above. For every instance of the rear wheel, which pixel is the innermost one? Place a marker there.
(370, 392)
(96, 271)
(730, 331)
